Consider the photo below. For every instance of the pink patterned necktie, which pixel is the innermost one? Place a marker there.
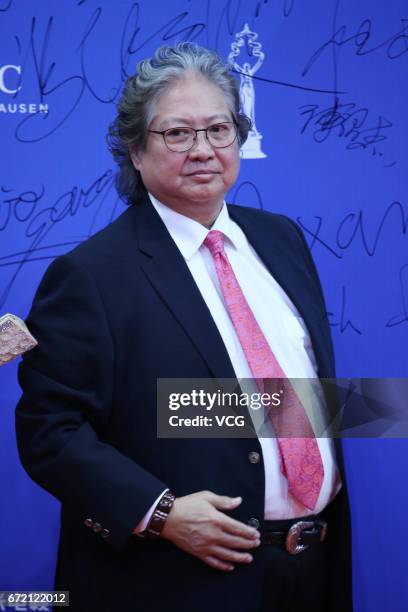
(301, 462)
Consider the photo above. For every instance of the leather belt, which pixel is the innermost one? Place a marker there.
(298, 537)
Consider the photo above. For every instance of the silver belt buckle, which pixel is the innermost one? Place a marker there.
(292, 539)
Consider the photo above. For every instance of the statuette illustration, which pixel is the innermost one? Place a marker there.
(251, 149)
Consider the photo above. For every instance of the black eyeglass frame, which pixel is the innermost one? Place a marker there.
(163, 133)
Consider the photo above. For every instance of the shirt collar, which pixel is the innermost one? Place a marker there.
(189, 234)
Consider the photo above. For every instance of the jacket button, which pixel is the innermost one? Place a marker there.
(254, 457)
(253, 522)
(88, 522)
(105, 533)
(97, 527)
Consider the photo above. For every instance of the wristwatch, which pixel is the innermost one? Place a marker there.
(159, 516)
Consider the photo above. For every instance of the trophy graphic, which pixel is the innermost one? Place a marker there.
(251, 149)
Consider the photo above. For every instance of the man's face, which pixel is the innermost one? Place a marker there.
(195, 182)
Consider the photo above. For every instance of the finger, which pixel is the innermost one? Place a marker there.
(237, 528)
(217, 563)
(229, 541)
(226, 554)
(222, 502)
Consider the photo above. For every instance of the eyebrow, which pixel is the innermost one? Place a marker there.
(181, 121)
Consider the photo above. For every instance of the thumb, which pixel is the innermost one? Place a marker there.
(223, 502)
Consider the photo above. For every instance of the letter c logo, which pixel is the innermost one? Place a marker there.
(3, 71)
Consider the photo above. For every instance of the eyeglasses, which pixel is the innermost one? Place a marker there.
(182, 139)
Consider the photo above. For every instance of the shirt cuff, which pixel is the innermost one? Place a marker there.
(145, 520)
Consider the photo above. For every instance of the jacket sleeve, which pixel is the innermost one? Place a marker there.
(67, 383)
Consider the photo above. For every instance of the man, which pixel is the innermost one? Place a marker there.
(154, 523)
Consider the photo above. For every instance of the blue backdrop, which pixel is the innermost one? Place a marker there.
(331, 107)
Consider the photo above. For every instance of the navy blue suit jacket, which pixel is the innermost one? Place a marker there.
(112, 316)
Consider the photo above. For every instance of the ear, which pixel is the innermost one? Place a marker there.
(136, 158)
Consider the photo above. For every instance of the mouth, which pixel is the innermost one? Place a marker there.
(202, 172)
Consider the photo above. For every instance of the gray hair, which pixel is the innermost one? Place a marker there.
(136, 107)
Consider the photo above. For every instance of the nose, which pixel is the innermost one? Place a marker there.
(201, 148)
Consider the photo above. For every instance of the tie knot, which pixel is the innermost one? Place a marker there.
(214, 242)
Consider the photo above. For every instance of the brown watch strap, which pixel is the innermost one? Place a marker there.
(159, 516)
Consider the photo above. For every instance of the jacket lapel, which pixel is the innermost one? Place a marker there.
(167, 271)
(289, 270)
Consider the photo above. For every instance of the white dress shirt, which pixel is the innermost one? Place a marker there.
(282, 326)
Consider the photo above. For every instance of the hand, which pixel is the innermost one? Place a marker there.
(196, 525)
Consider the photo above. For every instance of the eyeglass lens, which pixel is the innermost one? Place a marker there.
(183, 138)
